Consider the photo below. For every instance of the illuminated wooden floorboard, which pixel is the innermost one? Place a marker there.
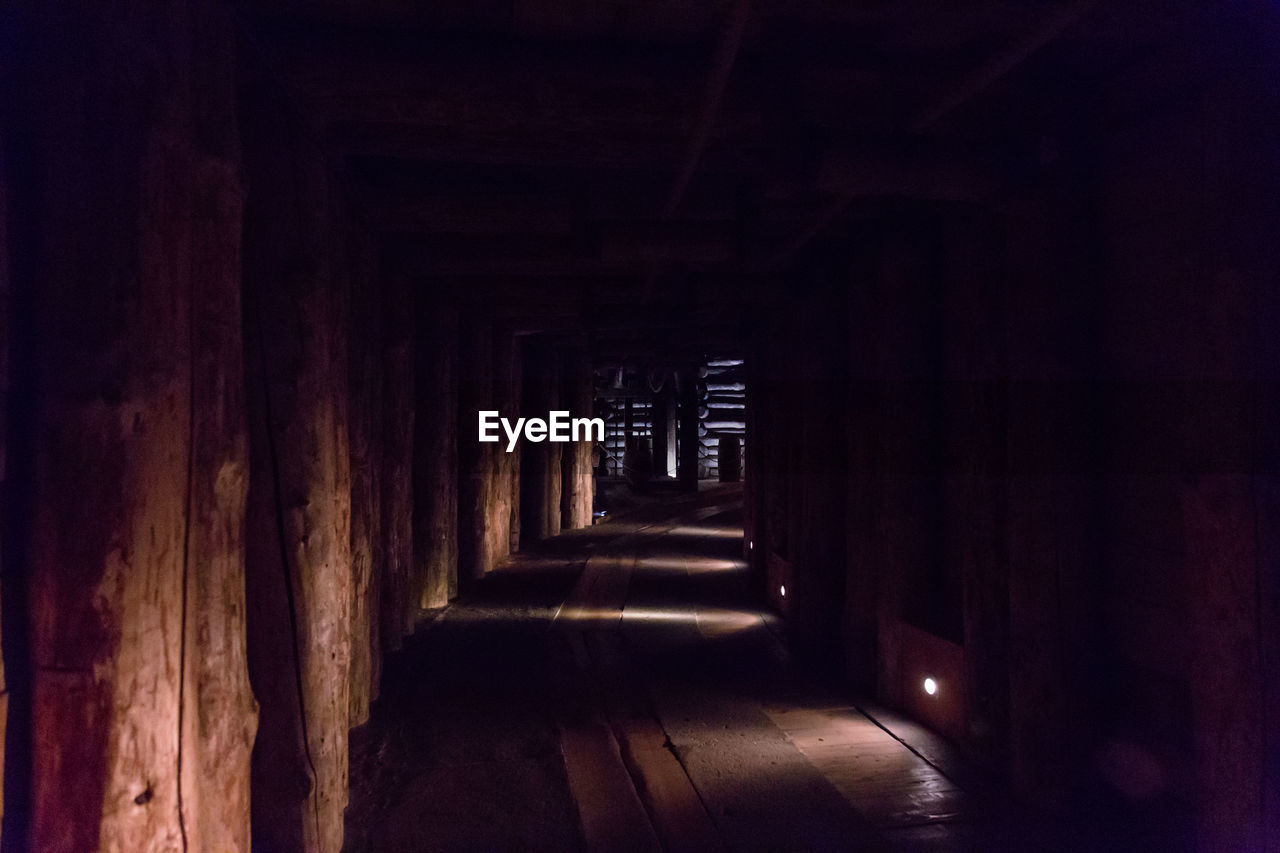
(885, 782)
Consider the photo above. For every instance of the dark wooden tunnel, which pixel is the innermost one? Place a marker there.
(980, 302)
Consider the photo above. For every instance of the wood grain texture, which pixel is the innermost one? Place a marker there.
(365, 437)
(135, 559)
(435, 459)
(399, 406)
(299, 555)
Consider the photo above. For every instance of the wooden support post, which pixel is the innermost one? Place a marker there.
(577, 489)
(435, 458)
(479, 511)
(220, 715)
(399, 409)
(298, 555)
(135, 488)
(540, 478)
(504, 528)
(365, 430)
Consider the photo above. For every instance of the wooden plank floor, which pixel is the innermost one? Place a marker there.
(882, 779)
(718, 757)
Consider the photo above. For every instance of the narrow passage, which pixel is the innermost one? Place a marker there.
(621, 689)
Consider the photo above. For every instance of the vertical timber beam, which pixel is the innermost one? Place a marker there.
(578, 487)
(220, 714)
(365, 436)
(298, 558)
(502, 526)
(510, 360)
(540, 478)
(132, 557)
(479, 509)
(435, 457)
(399, 407)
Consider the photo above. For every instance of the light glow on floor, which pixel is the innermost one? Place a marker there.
(693, 565)
(708, 531)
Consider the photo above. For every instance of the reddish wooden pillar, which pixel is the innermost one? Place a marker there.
(540, 478)
(435, 458)
(299, 538)
(396, 486)
(478, 462)
(577, 489)
(220, 712)
(141, 715)
(365, 431)
(505, 525)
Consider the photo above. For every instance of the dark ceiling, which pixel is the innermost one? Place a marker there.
(615, 164)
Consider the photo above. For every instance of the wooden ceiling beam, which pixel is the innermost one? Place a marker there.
(999, 65)
(983, 77)
(713, 97)
(503, 86)
(550, 148)
(548, 265)
(615, 248)
(464, 213)
(853, 175)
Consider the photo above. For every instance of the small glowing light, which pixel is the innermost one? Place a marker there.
(930, 686)
(782, 590)
(751, 545)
